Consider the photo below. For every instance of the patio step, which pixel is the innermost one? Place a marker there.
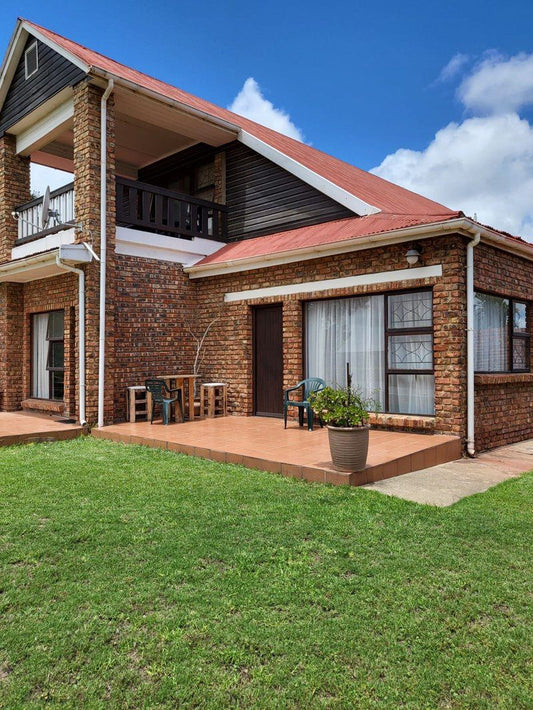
(263, 444)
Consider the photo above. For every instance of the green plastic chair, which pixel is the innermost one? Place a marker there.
(158, 389)
(312, 384)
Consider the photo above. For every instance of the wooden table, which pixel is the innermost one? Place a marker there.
(178, 380)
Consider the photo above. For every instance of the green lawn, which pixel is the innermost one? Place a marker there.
(133, 577)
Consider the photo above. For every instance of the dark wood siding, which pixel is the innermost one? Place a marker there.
(263, 198)
(169, 169)
(24, 95)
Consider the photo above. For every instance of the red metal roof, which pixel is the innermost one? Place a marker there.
(319, 235)
(367, 187)
(399, 207)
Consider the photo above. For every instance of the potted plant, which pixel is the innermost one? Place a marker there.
(345, 412)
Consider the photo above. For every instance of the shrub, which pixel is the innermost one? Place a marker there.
(342, 406)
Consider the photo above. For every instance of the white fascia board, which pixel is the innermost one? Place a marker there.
(320, 183)
(44, 244)
(46, 129)
(134, 242)
(382, 277)
(50, 42)
(30, 268)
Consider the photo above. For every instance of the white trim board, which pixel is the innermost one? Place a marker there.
(44, 130)
(383, 277)
(135, 242)
(44, 244)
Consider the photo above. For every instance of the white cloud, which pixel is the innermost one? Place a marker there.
(499, 85)
(41, 176)
(251, 103)
(453, 67)
(483, 165)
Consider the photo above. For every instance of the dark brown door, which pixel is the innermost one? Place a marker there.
(268, 361)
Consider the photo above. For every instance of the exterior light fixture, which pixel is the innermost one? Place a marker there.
(412, 256)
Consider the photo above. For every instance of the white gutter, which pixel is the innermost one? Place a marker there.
(470, 419)
(103, 249)
(395, 236)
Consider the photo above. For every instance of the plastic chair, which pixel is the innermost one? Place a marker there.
(158, 389)
(313, 384)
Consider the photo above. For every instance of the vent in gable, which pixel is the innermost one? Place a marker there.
(31, 60)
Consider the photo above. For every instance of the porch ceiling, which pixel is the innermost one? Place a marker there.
(146, 130)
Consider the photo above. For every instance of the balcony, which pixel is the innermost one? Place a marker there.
(138, 205)
(61, 213)
(154, 209)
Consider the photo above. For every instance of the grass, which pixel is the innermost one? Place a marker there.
(133, 578)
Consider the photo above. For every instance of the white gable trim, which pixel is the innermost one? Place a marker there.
(11, 59)
(383, 277)
(50, 42)
(320, 183)
(45, 129)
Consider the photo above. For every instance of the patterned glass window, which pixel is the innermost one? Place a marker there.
(410, 380)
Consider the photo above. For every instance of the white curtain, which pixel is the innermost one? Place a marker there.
(348, 330)
(40, 375)
(412, 394)
(491, 333)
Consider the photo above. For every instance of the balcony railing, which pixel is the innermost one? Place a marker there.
(155, 209)
(29, 215)
(138, 205)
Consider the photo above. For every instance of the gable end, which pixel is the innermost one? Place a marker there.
(53, 73)
(263, 198)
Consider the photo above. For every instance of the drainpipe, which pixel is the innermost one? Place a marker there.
(81, 333)
(103, 249)
(470, 424)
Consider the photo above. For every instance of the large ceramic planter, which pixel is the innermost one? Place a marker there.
(349, 447)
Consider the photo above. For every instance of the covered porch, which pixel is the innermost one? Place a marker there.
(262, 443)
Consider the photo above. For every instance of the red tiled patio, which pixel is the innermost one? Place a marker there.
(25, 428)
(262, 443)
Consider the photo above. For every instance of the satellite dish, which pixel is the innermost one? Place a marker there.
(45, 208)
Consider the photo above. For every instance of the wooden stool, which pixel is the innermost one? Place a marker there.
(136, 403)
(213, 399)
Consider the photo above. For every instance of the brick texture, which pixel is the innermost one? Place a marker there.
(503, 403)
(14, 191)
(229, 347)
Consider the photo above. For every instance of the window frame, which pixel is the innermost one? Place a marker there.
(33, 47)
(511, 334)
(50, 370)
(392, 331)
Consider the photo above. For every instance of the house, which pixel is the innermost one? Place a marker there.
(180, 211)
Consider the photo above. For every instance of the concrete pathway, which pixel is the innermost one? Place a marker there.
(446, 484)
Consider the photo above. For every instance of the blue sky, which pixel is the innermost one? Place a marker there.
(359, 79)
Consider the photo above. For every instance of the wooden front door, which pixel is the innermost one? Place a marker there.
(268, 361)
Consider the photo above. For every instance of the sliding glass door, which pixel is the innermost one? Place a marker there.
(388, 341)
(48, 355)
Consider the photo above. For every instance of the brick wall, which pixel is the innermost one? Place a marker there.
(228, 352)
(503, 403)
(14, 191)
(152, 314)
(87, 208)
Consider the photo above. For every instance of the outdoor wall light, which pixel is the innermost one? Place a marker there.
(412, 256)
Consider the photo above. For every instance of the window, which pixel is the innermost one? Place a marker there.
(501, 336)
(410, 381)
(388, 341)
(48, 355)
(31, 60)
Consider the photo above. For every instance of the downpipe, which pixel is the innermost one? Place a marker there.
(81, 335)
(103, 249)
(470, 420)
